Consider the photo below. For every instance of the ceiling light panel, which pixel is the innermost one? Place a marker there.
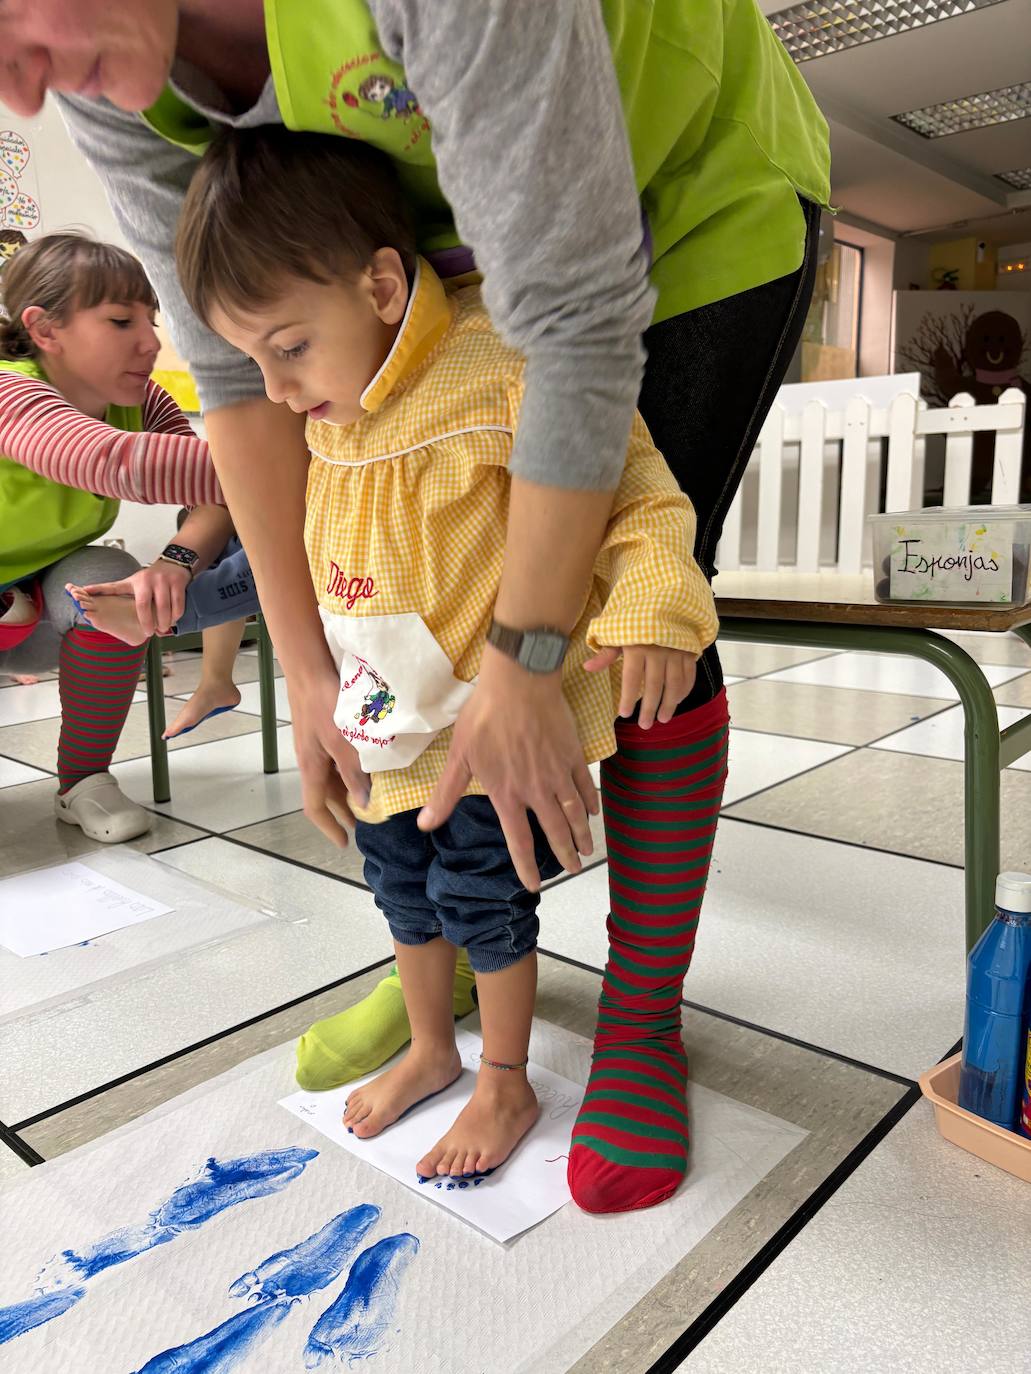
(970, 112)
(1019, 179)
(814, 29)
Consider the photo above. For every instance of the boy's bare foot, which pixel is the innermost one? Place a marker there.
(487, 1130)
(421, 1073)
(23, 679)
(217, 696)
(115, 615)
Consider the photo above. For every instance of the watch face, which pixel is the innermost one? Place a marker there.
(542, 652)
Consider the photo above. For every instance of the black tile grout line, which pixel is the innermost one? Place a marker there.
(296, 863)
(753, 1026)
(21, 1148)
(190, 1049)
(11, 759)
(831, 839)
(846, 750)
(739, 1285)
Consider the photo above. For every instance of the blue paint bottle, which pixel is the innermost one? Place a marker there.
(991, 1077)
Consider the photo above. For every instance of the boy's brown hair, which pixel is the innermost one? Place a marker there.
(267, 204)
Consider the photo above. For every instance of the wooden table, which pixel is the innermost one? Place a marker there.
(827, 611)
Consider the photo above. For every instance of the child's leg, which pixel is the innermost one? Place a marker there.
(216, 690)
(398, 857)
(432, 1062)
(662, 794)
(483, 906)
(360, 1039)
(503, 1106)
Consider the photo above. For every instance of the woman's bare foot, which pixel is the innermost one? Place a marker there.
(487, 1130)
(23, 679)
(209, 696)
(115, 615)
(378, 1104)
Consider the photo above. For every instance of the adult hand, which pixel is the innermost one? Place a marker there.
(159, 592)
(517, 736)
(330, 771)
(659, 678)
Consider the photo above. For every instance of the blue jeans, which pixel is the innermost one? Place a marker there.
(223, 592)
(457, 882)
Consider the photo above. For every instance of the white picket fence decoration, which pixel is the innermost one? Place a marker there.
(851, 436)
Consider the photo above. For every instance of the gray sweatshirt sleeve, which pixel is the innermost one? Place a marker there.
(145, 179)
(532, 154)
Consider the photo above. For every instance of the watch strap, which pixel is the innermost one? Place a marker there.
(540, 650)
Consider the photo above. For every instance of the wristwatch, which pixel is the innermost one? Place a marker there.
(538, 651)
(177, 553)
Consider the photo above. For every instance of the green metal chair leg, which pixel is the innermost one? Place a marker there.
(981, 757)
(267, 692)
(156, 715)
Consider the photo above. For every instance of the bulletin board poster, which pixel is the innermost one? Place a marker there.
(20, 214)
(978, 342)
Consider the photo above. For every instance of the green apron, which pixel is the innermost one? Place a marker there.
(724, 133)
(41, 521)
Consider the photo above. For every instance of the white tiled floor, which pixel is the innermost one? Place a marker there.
(250, 699)
(858, 952)
(886, 673)
(941, 736)
(758, 761)
(38, 702)
(920, 1263)
(321, 930)
(221, 785)
(12, 773)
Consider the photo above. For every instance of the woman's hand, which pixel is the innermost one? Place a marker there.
(517, 736)
(159, 592)
(659, 678)
(330, 771)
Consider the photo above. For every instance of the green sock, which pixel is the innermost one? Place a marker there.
(360, 1039)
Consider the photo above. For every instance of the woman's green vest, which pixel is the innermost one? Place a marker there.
(724, 133)
(41, 521)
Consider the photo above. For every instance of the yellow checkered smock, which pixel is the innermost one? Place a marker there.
(405, 532)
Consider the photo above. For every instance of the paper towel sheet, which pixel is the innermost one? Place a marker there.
(464, 1303)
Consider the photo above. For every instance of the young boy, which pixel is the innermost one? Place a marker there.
(412, 402)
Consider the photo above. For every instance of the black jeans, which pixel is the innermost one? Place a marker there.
(709, 382)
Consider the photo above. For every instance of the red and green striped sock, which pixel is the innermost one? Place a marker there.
(661, 793)
(98, 675)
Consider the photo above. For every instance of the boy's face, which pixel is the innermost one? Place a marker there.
(318, 346)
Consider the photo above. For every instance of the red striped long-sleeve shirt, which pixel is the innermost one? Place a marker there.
(166, 464)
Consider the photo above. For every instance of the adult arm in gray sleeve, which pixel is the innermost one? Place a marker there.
(145, 179)
(532, 154)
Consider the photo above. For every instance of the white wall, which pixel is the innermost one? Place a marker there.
(68, 192)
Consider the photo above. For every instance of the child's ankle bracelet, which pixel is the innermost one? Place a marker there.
(495, 1064)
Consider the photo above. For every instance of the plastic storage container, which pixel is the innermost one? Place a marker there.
(1005, 1149)
(995, 1034)
(953, 556)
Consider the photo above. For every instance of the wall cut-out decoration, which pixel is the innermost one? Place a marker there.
(18, 209)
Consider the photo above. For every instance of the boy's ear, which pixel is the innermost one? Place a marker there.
(388, 285)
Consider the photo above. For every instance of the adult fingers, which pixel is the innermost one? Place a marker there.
(449, 791)
(515, 826)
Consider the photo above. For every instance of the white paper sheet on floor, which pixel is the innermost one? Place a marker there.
(198, 915)
(67, 904)
(530, 1186)
(531, 1307)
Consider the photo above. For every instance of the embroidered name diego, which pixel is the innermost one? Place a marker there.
(349, 589)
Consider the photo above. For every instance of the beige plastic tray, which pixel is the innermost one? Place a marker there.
(1005, 1149)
